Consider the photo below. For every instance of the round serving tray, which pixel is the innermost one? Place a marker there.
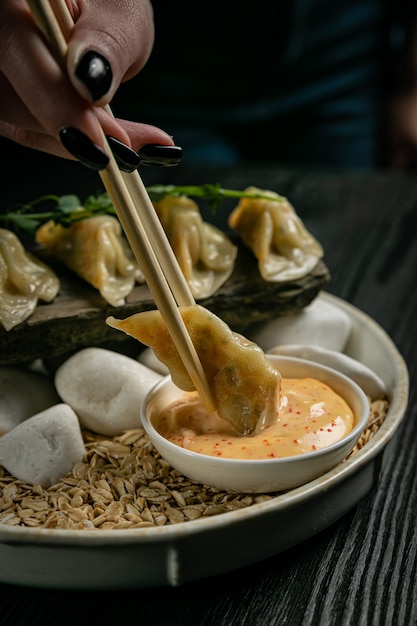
(146, 557)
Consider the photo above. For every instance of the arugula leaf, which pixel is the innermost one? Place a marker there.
(67, 209)
(213, 194)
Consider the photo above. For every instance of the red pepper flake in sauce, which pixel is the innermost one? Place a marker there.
(310, 416)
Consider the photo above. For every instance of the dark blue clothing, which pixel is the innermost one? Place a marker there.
(296, 82)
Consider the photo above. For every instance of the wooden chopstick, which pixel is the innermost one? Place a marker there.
(153, 226)
(143, 229)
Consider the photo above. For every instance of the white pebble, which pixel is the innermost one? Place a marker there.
(366, 378)
(22, 394)
(43, 448)
(105, 389)
(321, 323)
(149, 358)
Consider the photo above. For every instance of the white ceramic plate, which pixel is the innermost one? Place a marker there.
(111, 559)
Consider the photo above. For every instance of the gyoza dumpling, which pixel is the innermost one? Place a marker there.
(95, 249)
(24, 280)
(204, 253)
(276, 235)
(243, 382)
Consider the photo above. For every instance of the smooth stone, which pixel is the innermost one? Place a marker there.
(321, 323)
(105, 389)
(23, 393)
(44, 448)
(366, 378)
(149, 358)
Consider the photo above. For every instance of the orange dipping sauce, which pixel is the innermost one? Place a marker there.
(310, 416)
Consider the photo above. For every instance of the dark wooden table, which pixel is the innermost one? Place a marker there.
(362, 569)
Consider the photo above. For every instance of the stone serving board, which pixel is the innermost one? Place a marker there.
(76, 318)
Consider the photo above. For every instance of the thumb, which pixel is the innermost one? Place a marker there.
(108, 44)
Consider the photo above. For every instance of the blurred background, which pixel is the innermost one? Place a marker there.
(299, 84)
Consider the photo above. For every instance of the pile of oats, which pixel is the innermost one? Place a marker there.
(379, 410)
(124, 483)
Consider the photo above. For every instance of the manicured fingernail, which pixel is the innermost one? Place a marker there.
(95, 72)
(125, 157)
(162, 156)
(83, 149)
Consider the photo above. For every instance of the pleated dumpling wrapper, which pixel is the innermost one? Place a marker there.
(276, 235)
(243, 382)
(96, 250)
(24, 280)
(204, 253)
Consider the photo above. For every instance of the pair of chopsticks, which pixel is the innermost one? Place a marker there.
(138, 218)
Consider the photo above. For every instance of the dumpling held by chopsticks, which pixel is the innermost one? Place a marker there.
(243, 382)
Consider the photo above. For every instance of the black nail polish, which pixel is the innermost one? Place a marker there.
(125, 157)
(83, 149)
(162, 156)
(95, 72)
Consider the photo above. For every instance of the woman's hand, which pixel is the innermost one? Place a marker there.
(47, 107)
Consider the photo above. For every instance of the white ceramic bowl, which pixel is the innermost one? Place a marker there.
(260, 476)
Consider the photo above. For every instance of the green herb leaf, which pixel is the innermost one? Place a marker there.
(66, 210)
(213, 194)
